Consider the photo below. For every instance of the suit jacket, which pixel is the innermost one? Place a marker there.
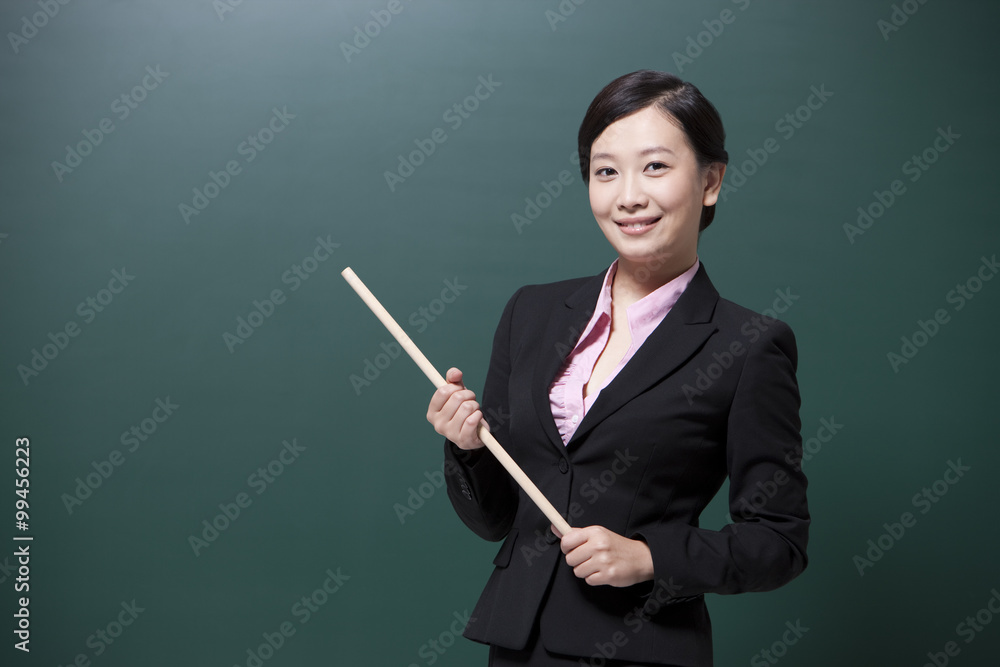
(712, 392)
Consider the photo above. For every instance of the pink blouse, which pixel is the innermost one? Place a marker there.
(566, 393)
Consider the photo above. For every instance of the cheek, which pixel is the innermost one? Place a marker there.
(598, 200)
(675, 195)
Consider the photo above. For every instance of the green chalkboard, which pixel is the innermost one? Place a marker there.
(229, 465)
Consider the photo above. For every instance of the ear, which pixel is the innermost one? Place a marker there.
(713, 183)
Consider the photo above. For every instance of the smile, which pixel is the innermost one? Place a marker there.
(633, 226)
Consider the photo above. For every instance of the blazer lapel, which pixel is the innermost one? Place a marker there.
(681, 333)
(566, 322)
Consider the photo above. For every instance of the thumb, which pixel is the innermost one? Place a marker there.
(454, 376)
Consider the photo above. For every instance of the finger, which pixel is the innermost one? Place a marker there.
(578, 556)
(443, 418)
(459, 396)
(459, 406)
(441, 396)
(470, 426)
(573, 539)
(448, 419)
(445, 414)
(443, 393)
(454, 376)
(586, 569)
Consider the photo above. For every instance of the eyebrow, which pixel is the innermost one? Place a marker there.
(645, 151)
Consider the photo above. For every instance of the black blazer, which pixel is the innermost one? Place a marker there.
(712, 392)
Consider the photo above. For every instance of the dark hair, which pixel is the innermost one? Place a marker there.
(681, 100)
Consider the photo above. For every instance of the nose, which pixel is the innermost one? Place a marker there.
(631, 196)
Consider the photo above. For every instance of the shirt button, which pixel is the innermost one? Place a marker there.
(575, 419)
(563, 466)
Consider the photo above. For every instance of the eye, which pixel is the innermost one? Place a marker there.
(656, 166)
(605, 172)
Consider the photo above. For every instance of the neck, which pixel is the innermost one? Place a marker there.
(635, 280)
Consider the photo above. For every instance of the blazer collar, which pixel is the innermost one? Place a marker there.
(681, 333)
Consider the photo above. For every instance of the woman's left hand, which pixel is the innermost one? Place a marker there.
(604, 558)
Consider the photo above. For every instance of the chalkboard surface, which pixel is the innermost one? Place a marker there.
(227, 460)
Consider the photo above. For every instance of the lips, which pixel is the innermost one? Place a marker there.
(633, 226)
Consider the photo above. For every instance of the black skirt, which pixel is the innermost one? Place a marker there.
(535, 655)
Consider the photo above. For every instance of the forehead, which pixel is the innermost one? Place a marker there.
(639, 130)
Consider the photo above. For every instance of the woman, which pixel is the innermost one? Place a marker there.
(628, 397)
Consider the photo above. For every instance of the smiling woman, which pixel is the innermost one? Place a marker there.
(628, 586)
(647, 192)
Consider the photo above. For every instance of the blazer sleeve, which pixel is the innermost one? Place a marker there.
(482, 492)
(765, 545)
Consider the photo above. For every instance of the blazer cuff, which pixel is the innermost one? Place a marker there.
(480, 490)
(665, 588)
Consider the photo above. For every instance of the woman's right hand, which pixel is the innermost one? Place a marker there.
(454, 412)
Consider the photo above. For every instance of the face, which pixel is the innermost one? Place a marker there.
(647, 191)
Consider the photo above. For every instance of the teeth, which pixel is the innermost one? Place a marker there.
(635, 225)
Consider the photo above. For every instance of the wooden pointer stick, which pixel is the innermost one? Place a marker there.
(432, 374)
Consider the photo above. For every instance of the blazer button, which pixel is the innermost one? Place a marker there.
(563, 466)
